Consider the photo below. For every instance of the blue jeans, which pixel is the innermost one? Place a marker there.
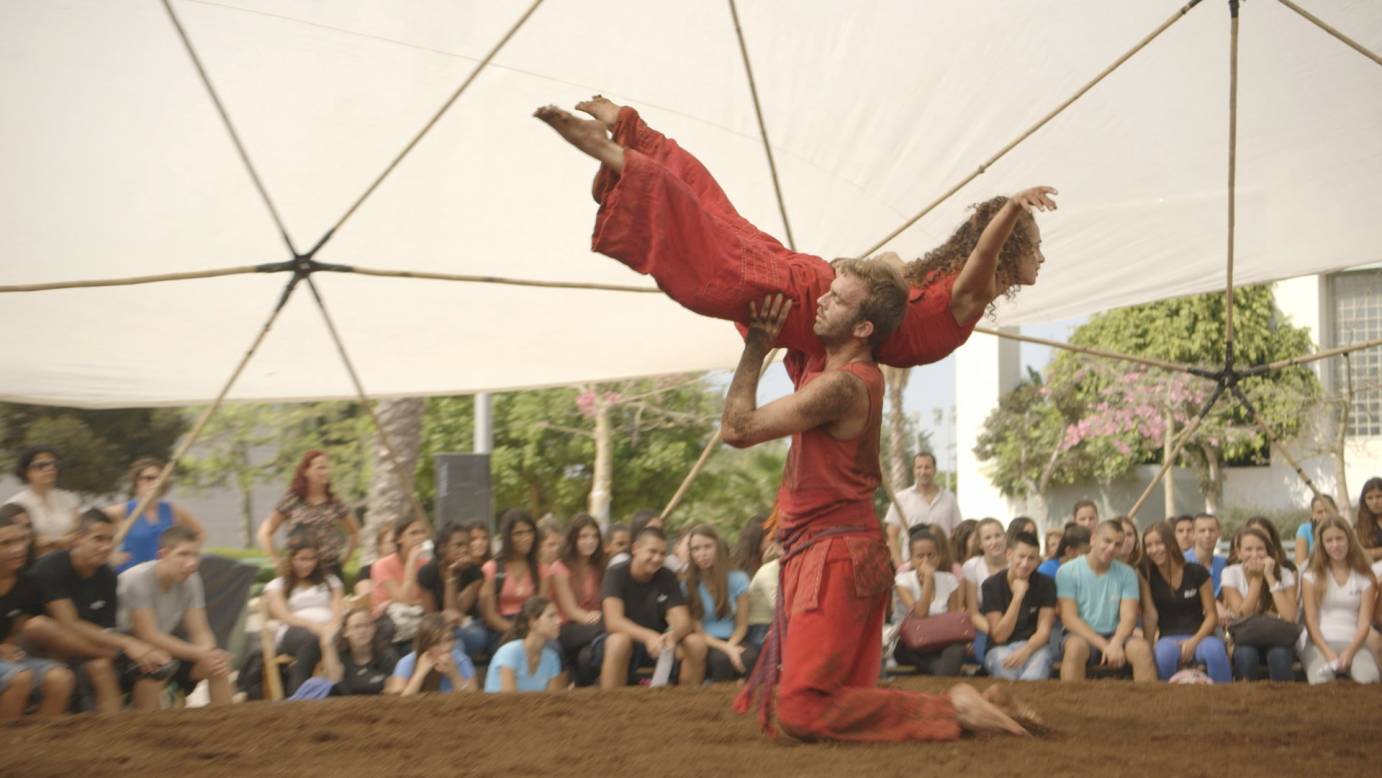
(1248, 659)
(1210, 652)
(37, 667)
(474, 638)
(1036, 668)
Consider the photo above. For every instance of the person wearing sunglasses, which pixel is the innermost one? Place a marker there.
(141, 540)
(52, 511)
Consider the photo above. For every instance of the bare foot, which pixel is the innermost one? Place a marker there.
(1008, 702)
(586, 135)
(977, 714)
(604, 111)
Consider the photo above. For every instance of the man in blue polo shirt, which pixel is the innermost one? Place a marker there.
(1206, 538)
(1098, 598)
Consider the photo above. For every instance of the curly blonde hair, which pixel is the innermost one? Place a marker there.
(946, 259)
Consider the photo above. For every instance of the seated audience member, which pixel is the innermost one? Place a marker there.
(394, 590)
(1260, 582)
(480, 550)
(645, 517)
(52, 511)
(1086, 514)
(511, 577)
(80, 592)
(616, 542)
(1181, 614)
(964, 545)
(1098, 598)
(1206, 539)
(549, 539)
(763, 596)
(1322, 506)
(436, 663)
(23, 677)
(1020, 606)
(1022, 524)
(574, 580)
(158, 597)
(993, 559)
(677, 559)
(718, 599)
(1369, 518)
(1074, 543)
(449, 584)
(384, 545)
(1052, 544)
(528, 661)
(15, 514)
(748, 551)
(358, 661)
(1130, 553)
(1340, 594)
(1185, 532)
(141, 542)
(645, 615)
(307, 602)
(928, 589)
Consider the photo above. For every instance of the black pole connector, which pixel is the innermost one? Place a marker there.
(1233, 8)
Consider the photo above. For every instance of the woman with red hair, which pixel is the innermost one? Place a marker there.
(311, 509)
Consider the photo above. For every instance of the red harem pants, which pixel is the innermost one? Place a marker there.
(835, 594)
(666, 216)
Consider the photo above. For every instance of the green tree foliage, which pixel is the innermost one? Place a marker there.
(1069, 416)
(96, 446)
(543, 452)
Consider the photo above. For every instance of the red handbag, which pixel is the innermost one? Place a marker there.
(924, 634)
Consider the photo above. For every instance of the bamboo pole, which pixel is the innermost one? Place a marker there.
(1175, 17)
(405, 479)
(1318, 22)
(230, 127)
(200, 426)
(1272, 439)
(474, 279)
(1232, 174)
(1175, 451)
(762, 126)
(710, 446)
(152, 279)
(1148, 361)
(1318, 355)
(436, 117)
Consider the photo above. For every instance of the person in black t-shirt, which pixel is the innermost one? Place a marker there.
(23, 676)
(1180, 612)
(645, 615)
(450, 581)
(450, 585)
(358, 661)
(1020, 607)
(78, 589)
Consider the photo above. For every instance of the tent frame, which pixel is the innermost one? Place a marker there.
(303, 264)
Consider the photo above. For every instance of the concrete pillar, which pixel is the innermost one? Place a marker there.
(985, 368)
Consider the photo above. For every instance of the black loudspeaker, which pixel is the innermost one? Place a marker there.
(463, 489)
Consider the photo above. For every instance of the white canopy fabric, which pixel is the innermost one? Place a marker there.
(114, 162)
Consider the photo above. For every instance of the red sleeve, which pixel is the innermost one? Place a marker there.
(929, 332)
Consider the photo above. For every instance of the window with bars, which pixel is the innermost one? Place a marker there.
(1357, 299)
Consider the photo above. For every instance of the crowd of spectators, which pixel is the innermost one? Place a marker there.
(93, 618)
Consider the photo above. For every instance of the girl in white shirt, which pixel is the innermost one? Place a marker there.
(992, 560)
(1260, 581)
(307, 602)
(928, 589)
(1339, 596)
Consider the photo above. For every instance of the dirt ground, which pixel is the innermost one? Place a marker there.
(1104, 728)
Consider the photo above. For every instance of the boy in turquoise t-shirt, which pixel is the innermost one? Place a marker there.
(1098, 597)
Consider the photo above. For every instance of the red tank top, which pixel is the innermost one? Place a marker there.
(831, 482)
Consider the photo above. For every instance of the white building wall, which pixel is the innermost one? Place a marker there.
(985, 368)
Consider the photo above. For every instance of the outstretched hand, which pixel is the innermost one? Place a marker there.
(768, 318)
(1038, 197)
